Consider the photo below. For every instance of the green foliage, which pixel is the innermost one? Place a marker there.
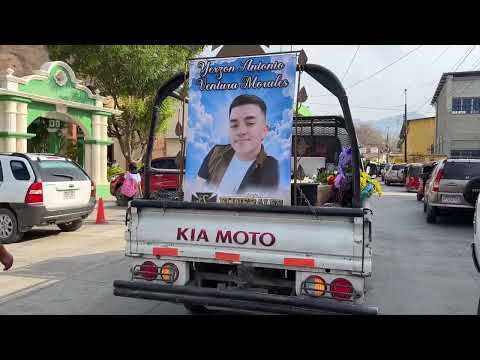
(114, 170)
(323, 175)
(131, 75)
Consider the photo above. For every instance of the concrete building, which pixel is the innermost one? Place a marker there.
(457, 101)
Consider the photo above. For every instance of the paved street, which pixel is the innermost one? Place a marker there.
(418, 268)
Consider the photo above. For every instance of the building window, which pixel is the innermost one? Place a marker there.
(476, 105)
(456, 104)
(466, 105)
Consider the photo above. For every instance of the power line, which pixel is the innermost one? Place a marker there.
(433, 62)
(398, 108)
(459, 62)
(438, 57)
(385, 67)
(465, 58)
(351, 62)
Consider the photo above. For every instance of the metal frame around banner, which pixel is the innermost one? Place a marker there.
(182, 135)
(322, 75)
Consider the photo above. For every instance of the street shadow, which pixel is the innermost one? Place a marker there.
(458, 220)
(84, 285)
(36, 234)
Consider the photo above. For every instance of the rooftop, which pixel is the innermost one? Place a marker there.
(444, 78)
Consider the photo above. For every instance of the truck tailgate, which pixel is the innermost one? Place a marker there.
(266, 238)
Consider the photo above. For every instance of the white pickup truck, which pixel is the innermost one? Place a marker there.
(274, 259)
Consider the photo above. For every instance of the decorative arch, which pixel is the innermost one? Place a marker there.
(54, 92)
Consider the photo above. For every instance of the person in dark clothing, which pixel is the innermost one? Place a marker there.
(243, 165)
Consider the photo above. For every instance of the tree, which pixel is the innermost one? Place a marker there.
(131, 75)
(368, 135)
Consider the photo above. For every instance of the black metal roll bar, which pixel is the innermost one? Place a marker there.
(324, 76)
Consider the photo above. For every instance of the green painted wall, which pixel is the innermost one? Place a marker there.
(103, 191)
(37, 109)
(84, 116)
(51, 89)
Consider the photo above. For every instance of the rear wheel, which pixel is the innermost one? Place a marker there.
(419, 197)
(8, 227)
(387, 182)
(71, 226)
(431, 214)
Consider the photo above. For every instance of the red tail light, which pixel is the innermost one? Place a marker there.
(34, 194)
(148, 270)
(341, 289)
(93, 192)
(436, 182)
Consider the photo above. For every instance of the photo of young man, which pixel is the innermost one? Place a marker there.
(243, 166)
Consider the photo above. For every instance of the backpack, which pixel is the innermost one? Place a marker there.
(129, 186)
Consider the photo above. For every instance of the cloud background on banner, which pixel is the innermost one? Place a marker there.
(208, 125)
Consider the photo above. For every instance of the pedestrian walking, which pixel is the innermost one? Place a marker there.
(131, 186)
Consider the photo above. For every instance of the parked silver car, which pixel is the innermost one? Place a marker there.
(445, 188)
(395, 174)
(384, 170)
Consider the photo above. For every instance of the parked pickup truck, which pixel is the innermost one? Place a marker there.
(263, 258)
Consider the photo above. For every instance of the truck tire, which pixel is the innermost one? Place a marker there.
(121, 199)
(196, 309)
(431, 214)
(71, 226)
(9, 232)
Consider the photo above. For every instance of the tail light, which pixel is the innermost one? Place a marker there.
(169, 273)
(34, 194)
(148, 270)
(436, 182)
(341, 289)
(93, 192)
(314, 286)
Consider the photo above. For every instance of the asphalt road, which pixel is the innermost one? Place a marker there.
(418, 268)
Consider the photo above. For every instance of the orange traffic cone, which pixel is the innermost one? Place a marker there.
(100, 212)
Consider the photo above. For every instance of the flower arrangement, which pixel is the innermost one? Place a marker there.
(368, 186)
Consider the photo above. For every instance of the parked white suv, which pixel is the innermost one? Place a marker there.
(42, 189)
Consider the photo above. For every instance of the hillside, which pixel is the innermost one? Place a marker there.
(392, 124)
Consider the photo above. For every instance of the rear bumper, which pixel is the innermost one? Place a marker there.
(458, 207)
(33, 215)
(239, 299)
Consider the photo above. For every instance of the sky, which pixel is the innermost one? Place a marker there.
(418, 70)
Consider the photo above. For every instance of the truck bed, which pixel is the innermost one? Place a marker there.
(292, 236)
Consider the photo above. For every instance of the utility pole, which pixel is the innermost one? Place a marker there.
(388, 144)
(406, 126)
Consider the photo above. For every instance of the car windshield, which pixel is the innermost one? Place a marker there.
(398, 167)
(461, 170)
(59, 170)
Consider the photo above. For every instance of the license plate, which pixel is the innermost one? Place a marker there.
(451, 199)
(69, 194)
